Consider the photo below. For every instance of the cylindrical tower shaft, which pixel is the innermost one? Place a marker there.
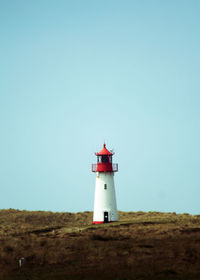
(105, 207)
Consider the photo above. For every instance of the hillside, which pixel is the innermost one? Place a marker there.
(65, 246)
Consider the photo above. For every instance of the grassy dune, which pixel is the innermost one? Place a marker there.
(67, 246)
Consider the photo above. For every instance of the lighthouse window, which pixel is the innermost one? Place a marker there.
(99, 159)
(104, 158)
(105, 186)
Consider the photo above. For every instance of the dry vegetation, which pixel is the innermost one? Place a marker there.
(67, 246)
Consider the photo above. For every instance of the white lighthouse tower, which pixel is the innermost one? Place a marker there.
(105, 207)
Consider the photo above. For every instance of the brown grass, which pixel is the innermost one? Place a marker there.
(67, 246)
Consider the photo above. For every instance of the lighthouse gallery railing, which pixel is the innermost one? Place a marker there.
(114, 167)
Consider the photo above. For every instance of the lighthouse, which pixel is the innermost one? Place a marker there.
(105, 206)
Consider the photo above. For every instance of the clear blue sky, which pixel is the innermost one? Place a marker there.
(76, 73)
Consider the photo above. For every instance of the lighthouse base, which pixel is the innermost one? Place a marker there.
(96, 223)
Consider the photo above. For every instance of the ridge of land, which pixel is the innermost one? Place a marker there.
(141, 245)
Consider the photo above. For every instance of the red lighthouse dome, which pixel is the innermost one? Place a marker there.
(104, 152)
(104, 161)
